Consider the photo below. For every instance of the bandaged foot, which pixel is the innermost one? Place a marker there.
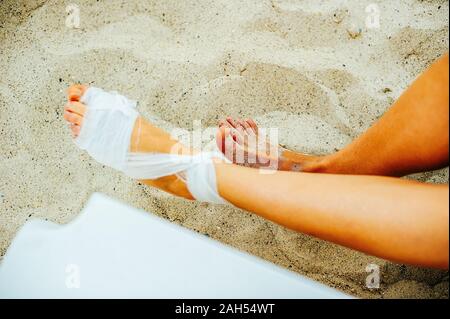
(108, 126)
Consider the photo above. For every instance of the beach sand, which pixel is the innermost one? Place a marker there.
(299, 66)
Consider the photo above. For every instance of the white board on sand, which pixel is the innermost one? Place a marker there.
(115, 251)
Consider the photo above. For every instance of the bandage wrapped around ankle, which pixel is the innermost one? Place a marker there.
(106, 133)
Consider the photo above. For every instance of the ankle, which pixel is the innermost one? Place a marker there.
(148, 138)
(330, 164)
(316, 164)
(291, 161)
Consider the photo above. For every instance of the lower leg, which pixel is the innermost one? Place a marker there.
(360, 212)
(149, 138)
(392, 218)
(411, 137)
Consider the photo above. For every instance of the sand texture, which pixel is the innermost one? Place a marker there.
(300, 66)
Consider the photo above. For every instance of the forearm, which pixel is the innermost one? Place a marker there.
(391, 218)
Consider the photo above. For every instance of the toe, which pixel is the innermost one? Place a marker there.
(75, 107)
(224, 123)
(240, 154)
(247, 127)
(73, 118)
(226, 140)
(240, 126)
(252, 125)
(229, 146)
(247, 134)
(76, 91)
(238, 135)
(243, 123)
(220, 135)
(75, 130)
(220, 138)
(232, 122)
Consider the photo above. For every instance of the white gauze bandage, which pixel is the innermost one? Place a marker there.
(106, 132)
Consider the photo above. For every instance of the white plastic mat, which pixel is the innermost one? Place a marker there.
(115, 251)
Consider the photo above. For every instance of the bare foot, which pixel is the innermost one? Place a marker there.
(242, 143)
(145, 138)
